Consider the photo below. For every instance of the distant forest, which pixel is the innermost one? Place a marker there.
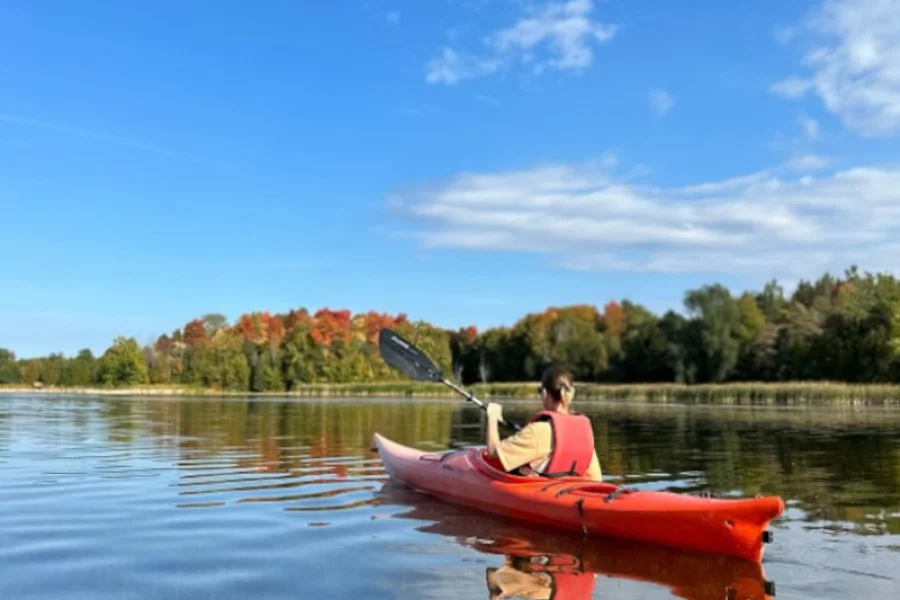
(836, 328)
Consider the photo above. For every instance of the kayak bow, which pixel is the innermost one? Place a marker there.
(730, 527)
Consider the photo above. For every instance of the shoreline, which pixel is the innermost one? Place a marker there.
(789, 393)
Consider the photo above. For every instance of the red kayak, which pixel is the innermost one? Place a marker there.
(730, 527)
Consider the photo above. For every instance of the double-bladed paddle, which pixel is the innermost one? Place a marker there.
(403, 355)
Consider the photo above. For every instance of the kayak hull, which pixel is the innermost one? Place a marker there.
(731, 527)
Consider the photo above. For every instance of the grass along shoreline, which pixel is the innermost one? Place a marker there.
(727, 393)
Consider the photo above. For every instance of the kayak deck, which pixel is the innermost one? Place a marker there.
(733, 527)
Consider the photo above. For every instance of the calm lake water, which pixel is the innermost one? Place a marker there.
(208, 498)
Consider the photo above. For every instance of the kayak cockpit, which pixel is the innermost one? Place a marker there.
(493, 468)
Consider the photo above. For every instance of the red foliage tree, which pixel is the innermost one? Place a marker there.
(614, 318)
(276, 330)
(375, 322)
(163, 344)
(247, 327)
(329, 325)
(195, 333)
(261, 328)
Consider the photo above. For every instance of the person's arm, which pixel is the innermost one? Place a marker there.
(593, 471)
(520, 448)
(494, 414)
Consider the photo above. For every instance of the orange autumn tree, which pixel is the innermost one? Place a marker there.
(195, 334)
(613, 322)
(263, 334)
(334, 346)
(614, 319)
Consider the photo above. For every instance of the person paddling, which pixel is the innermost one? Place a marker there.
(540, 578)
(555, 442)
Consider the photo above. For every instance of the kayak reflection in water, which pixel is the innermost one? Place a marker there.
(540, 578)
(556, 442)
(541, 566)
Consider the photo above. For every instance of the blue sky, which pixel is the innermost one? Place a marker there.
(463, 161)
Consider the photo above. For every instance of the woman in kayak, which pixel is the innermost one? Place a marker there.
(555, 442)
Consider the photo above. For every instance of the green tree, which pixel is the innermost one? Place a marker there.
(653, 350)
(9, 369)
(797, 343)
(213, 322)
(752, 325)
(772, 302)
(123, 364)
(80, 371)
(752, 320)
(718, 318)
(227, 366)
(30, 371)
(52, 369)
(299, 356)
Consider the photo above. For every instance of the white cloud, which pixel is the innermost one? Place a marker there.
(810, 127)
(452, 67)
(808, 162)
(661, 101)
(585, 217)
(553, 35)
(792, 88)
(854, 64)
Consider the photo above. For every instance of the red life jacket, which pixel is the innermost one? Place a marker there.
(573, 443)
(573, 586)
(570, 582)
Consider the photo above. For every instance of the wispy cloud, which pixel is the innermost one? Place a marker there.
(854, 64)
(792, 88)
(552, 35)
(810, 128)
(661, 101)
(392, 17)
(452, 67)
(105, 138)
(454, 33)
(419, 110)
(808, 162)
(783, 34)
(775, 222)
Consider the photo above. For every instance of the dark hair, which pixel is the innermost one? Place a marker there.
(555, 379)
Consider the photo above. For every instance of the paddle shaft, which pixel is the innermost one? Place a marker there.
(471, 398)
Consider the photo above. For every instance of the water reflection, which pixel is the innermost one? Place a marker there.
(538, 564)
(80, 475)
(840, 467)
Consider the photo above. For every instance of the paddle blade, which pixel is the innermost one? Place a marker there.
(406, 358)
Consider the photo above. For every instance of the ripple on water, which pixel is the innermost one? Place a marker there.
(205, 499)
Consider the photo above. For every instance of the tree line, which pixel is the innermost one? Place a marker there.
(835, 328)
